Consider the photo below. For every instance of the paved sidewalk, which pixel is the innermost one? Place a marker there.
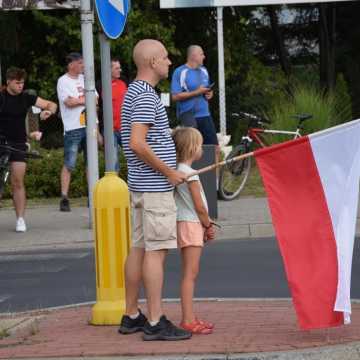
(243, 327)
(243, 218)
(48, 227)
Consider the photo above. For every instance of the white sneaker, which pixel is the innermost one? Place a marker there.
(20, 225)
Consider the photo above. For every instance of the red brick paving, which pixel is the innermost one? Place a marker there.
(241, 327)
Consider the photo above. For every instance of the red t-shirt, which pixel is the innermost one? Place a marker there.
(119, 89)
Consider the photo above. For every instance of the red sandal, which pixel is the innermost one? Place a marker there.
(207, 324)
(196, 328)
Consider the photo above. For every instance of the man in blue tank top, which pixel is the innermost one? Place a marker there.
(191, 89)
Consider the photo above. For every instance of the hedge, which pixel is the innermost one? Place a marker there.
(42, 178)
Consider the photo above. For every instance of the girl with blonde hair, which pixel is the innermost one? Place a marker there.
(194, 225)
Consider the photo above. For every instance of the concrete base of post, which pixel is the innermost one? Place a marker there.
(107, 312)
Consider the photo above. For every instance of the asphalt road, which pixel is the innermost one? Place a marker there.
(246, 268)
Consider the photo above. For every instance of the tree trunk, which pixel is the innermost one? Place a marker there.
(327, 26)
(279, 41)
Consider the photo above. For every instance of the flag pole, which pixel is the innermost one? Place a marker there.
(222, 163)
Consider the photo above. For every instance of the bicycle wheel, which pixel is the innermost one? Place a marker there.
(4, 172)
(232, 177)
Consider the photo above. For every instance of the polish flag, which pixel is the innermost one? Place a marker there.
(312, 185)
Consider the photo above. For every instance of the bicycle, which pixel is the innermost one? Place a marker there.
(233, 176)
(5, 152)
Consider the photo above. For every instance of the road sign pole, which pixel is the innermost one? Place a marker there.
(107, 102)
(87, 20)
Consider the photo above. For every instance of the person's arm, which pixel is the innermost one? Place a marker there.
(200, 208)
(201, 90)
(49, 108)
(177, 91)
(144, 152)
(65, 95)
(72, 102)
(195, 191)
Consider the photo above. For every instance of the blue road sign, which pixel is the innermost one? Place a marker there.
(112, 16)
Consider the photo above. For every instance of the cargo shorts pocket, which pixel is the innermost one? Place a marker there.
(159, 221)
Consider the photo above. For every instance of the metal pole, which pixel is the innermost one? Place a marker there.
(222, 101)
(107, 102)
(87, 20)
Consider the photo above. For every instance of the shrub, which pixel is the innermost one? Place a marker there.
(328, 109)
(42, 178)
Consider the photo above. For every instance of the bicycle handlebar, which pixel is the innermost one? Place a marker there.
(260, 121)
(254, 118)
(27, 154)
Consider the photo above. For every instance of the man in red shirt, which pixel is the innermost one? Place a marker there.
(119, 89)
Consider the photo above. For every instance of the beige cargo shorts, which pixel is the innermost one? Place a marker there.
(153, 220)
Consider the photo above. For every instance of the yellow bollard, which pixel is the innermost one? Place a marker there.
(112, 240)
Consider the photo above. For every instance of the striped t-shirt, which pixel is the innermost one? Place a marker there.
(143, 105)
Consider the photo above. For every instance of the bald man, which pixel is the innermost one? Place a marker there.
(151, 157)
(191, 89)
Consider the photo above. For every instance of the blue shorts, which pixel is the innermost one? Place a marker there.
(207, 128)
(74, 142)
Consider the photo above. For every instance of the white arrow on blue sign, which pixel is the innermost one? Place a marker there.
(112, 15)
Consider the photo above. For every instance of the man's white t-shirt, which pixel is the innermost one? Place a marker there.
(72, 118)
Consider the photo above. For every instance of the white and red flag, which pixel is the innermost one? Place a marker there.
(312, 185)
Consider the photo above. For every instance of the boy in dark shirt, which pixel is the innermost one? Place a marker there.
(14, 105)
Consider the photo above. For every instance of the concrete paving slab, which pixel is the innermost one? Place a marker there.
(47, 227)
(243, 218)
(261, 230)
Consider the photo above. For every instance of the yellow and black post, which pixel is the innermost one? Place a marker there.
(112, 240)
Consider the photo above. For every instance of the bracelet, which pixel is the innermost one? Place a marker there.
(208, 227)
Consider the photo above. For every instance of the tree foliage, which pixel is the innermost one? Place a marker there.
(263, 45)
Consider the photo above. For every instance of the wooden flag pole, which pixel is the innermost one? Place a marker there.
(222, 163)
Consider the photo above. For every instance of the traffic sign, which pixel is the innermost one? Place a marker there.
(112, 15)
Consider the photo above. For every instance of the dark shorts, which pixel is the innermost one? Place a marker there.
(15, 156)
(207, 128)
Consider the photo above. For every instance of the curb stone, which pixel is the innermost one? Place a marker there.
(337, 352)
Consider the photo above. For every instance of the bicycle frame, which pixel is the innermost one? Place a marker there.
(233, 176)
(254, 134)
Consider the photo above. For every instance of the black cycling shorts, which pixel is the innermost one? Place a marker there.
(15, 156)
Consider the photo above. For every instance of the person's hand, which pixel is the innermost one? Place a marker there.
(202, 90)
(176, 177)
(35, 135)
(45, 114)
(209, 233)
(209, 95)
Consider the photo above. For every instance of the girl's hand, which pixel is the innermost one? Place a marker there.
(209, 233)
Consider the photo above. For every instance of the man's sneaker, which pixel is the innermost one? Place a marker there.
(20, 225)
(130, 326)
(164, 330)
(65, 204)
